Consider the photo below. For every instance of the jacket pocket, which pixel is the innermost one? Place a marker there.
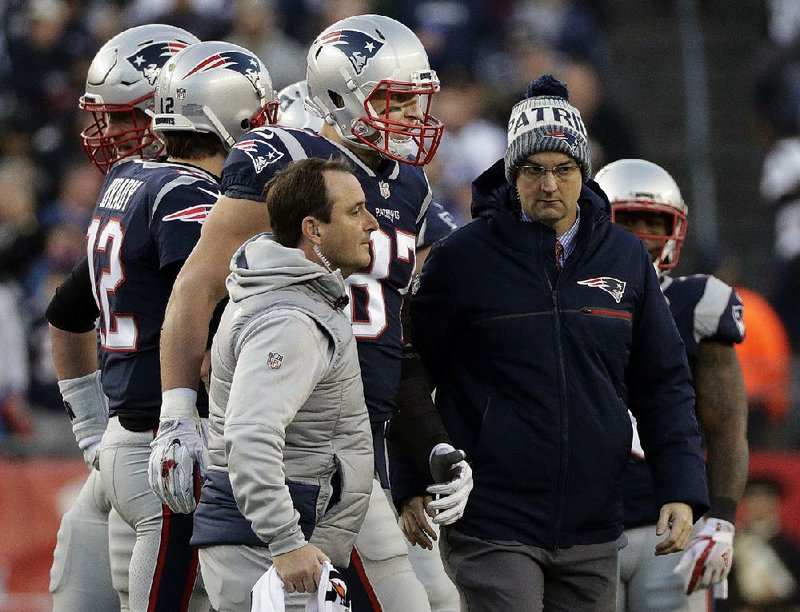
(607, 313)
(304, 499)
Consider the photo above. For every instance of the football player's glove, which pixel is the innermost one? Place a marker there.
(707, 559)
(453, 478)
(179, 454)
(87, 407)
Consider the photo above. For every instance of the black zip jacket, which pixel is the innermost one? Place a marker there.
(535, 369)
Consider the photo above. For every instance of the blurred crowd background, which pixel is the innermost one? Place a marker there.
(709, 89)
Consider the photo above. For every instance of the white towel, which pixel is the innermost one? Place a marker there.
(268, 593)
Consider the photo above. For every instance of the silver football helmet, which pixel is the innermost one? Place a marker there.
(215, 87)
(637, 185)
(293, 111)
(369, 58)
(120, 85)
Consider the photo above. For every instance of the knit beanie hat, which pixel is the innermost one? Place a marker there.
(546, 121)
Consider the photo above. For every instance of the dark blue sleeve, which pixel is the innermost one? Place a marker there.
(178, 217)
(662, 399)
(437, 224)
(252, 162)
(431, 314)
(731, 323)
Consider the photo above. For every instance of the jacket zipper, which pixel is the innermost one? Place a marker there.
(564, 459)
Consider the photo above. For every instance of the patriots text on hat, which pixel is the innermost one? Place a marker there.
(525, 118)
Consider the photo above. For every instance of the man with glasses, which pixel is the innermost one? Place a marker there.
(540, 324)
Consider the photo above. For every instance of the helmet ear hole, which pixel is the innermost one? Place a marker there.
(246, 124)
(337, 100)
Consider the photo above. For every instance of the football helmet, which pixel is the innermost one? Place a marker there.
(120, 85)
(293, 111)
(368, 58)
(638, 185)
(215, 87)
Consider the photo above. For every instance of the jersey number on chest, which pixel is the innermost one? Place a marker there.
(368, 288)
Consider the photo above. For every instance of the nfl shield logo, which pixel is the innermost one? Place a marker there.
(181, 93)
(274, 360)
(384, 187)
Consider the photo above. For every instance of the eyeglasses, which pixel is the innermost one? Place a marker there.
(536, 172)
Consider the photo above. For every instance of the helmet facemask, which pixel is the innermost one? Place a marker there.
(104, 147)
(413, 142)
(671, 242)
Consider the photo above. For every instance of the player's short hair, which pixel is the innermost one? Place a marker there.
(298, 191)
(193, 145)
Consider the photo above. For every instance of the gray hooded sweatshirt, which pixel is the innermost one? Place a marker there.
(289, 435)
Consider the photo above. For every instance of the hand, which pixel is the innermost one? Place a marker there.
(453, 476)
(177, 450)
(414, 522)
(87, 407)
(707, 561)
(301, 569)
(677, 517)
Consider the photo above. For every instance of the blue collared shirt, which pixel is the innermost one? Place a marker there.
(567, 239)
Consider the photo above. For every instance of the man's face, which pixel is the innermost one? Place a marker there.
(645, 224)
(550, 200)
(400, 107)
(121, 128)
(345, 240)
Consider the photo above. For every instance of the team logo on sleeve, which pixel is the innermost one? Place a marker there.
(260, 150)
(359, 47)
(244, 64)
(193, 214)
(613, 286)
(150, 58)
(274, 360)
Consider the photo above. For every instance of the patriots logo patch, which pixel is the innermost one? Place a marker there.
(260, 150)
(193, 214)
(613, 286)
(274, 360)
(358, 47)
(244, 64)
(565, 136)
(150, 58)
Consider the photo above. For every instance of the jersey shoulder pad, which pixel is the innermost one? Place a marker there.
(718, 311)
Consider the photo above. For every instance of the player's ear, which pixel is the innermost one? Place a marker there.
(311, 229)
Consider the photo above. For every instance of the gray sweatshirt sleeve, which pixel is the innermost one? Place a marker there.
(280, 360)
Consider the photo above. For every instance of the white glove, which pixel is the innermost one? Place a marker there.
(176, 450)
(453, 476)
(87, 407)
(707, 559)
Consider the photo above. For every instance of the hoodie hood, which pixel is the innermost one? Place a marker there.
(492, 195)
(261, 265)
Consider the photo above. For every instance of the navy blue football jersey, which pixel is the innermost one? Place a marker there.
(147, 217)
(397, 195)
(704, 308)
(437, 224)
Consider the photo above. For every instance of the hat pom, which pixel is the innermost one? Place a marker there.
(547, 85)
